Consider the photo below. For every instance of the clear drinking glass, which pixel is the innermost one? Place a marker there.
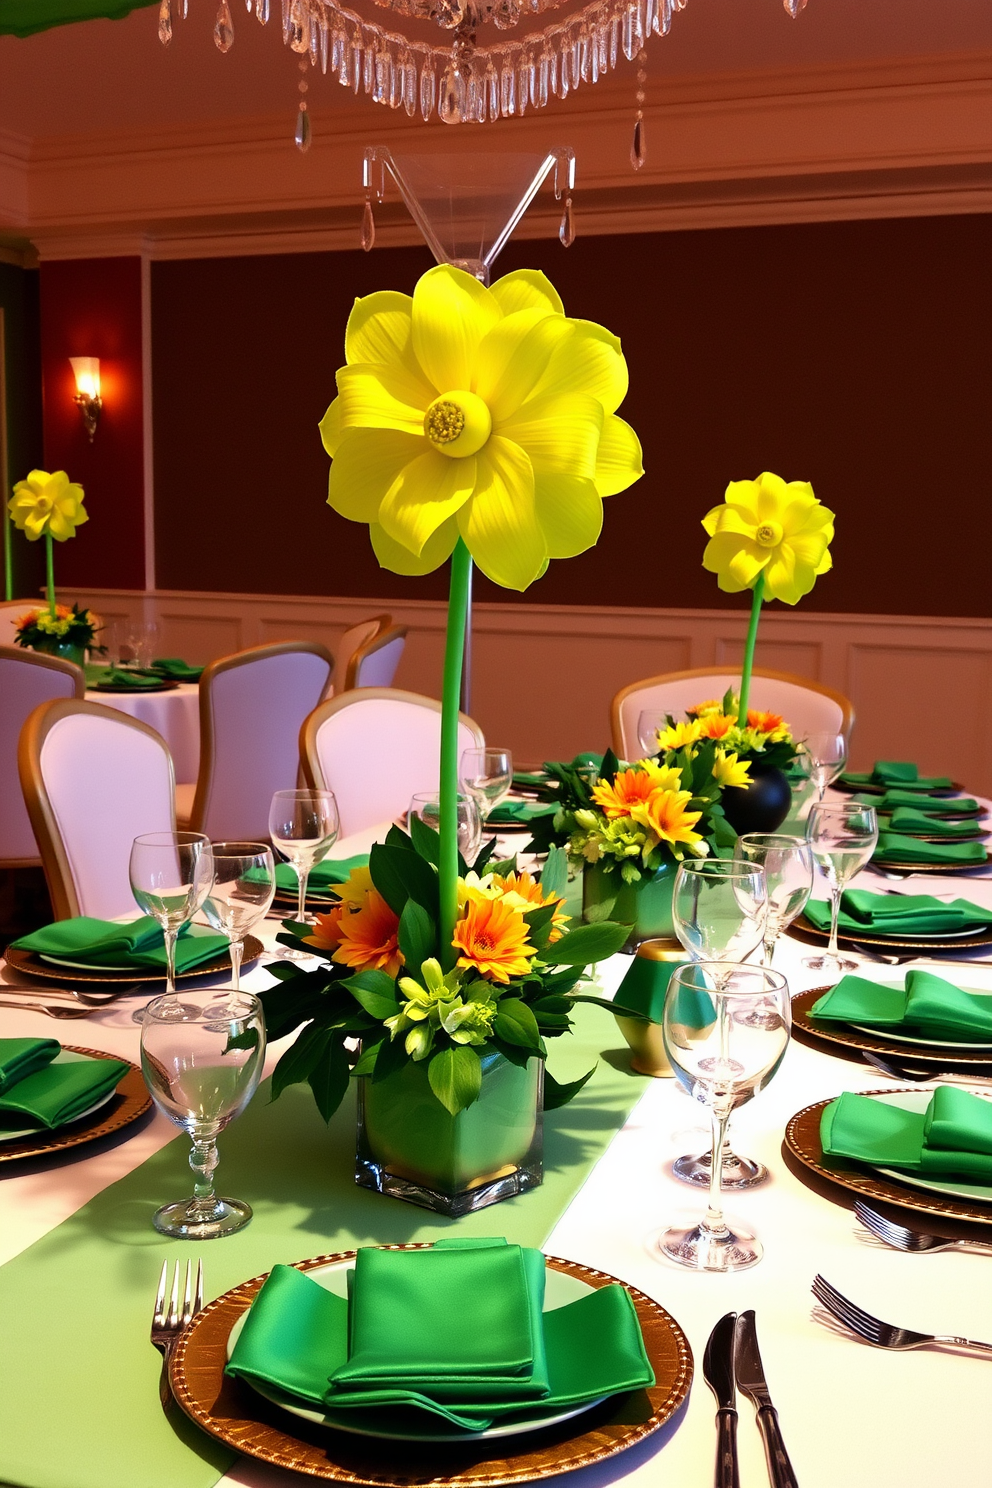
(726, 1030)
(140, 639)
(486, 774)
(427, 805)
(719, 908)
(788, 865)
(303, 825)
(171, 874)
(202, 1061)
(827, 756)
(842, 838)
(243, 889)
(649, 725)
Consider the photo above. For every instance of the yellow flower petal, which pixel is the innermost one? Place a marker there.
(331, 428)
(589, 362)
(380, 331)
(785, 579)
(809, 547)
(500, 524)
(451, 314)
(367, 463)
(570, 512)
(514, 355)
(381, 398)
(398, 559)
(619, 461)
(527, 289)
(426, 493)
(736, 560)
(744, 496)
(559, 434)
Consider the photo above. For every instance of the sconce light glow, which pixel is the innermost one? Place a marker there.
(87, 374)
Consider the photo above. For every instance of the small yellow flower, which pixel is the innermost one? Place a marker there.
(728, 770)
(680, 735)
(770, 527)
(47, 503)
(665, 817)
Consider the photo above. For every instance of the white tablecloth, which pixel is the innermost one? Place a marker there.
(851, 1414)
(174, 714)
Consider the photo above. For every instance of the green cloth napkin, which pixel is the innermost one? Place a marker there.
(20, 1057)
(176, 669)
(62, 1092)
(927, 1004)
(520, 812)
(897, 773)
(133, 681)
(913, 823)
(894, 847)
(930, 806)
(296, 1338)
(322, 875)
(951, 1139)
(138, 943)
(865, 913)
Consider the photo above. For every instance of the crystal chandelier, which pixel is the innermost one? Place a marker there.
(467, 61)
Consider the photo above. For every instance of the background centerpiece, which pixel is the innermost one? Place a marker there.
(50, 506)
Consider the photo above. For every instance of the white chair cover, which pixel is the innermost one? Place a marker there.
(24, 683)
(378, 667)
(376, 752)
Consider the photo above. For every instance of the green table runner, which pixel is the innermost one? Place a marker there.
(79, 1396)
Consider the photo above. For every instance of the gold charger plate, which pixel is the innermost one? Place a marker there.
(929, 943)
(853, 1040)
(129, 1104)
(33, 965)
(942, 793)
(802, 1144)
(228, 1410)
(904, 866)
(155, 687)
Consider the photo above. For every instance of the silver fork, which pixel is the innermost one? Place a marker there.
(902, 1238)
(884, 1335)
(170, 1318)
(67, 1010)
(898, 1071)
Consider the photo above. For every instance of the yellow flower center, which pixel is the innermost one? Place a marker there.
(769, 534)
(458, 424)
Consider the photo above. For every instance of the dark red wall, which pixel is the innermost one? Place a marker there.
(92, 307)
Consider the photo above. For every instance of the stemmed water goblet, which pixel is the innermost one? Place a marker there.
(486, 774)
(827, 756)
(427, 805)
(303, 825)
(788, 865)
(202, 1061)
(650, 722)
(726, 1030)
(171, 874)
(842, 839)
(243, 889)
(719, 908)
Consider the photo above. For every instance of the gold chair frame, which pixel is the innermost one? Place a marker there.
(376, 642)
(309, 761)
(54, 664)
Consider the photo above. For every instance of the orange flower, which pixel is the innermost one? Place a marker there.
(327, 931)
(629, 787)
(765, 723)
(492, 937)
(717, 725)
(367, 936)
(665, 816)
(522, 886)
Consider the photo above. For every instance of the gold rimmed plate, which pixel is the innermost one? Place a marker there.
(903, 865)
(123, 688)
(33, 965)
(228, 1410)
(854, 1040)
(941, 792)
(802, 1145)
(128, 1104)
(982, 937)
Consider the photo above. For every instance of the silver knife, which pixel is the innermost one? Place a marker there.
(751, 1379)
(718, 1370)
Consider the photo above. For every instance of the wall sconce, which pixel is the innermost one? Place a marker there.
(87, 374)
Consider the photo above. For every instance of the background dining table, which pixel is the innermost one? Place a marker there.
(850, 1413)
(173, 713)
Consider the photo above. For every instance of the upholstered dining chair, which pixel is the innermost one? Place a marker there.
(375, 748)
(808, 707)
(27, 678)
(93, 780)
(252, 706)
(375, 661)
(351, 640)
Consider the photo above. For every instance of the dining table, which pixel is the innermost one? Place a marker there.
(850, 1413)
(174, 713)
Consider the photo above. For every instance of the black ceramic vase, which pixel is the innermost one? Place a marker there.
(760, 807)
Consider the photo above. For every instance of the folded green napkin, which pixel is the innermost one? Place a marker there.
(296, 1338)
(24, 1056)
(897, 773)
(914, 823)
(894, 847)
(322, 875)
(951, 1139)
(530, 777)
(133, 681)
(520, 812)
(919, 801)
(138, 943)
(62, 1092)
(587, 760)
(865, 913)
(176, 669)
(927, 1004)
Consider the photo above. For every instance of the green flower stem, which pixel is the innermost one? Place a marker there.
(454, 651)
(752, 636)
(8, 556)
(50, 573)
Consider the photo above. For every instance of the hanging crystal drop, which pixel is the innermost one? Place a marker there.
(325, 46)
(299, 30)
(543, 79)
(794, 8)
(507, 91)
(224, 28)
(492, 89)
(165, 22)
(285, 22)
(428, 88)
(663, 20)
(451, 102)
(302, 135)
(248, 4)
(368, 226)
(184, 11)
(262, 12)
(410, 86)
(638, 145)
(566, 231)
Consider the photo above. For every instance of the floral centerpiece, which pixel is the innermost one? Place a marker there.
(60, 631)
(50, 506)
(471, 423)
(764, 738)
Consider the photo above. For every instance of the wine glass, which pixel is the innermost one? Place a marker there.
(487, 774)
(427, 805)
(171, 874)
(788, 865)
(726, 1030)
(303, 825)
(650, 723)
(827, 756)
(719, 908)
(242, 893)
(202, 1062)
(842, 839)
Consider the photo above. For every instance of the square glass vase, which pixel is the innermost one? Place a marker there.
(411, 1148)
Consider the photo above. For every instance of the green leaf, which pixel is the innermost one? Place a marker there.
(401, 875)
(365, 1063)
(391, 1057)
(300, 1058)
(539, 922)
(611, 1007)
(553, 1003)
(425, 839)
(246, 1039)
(556, 1095)
(512, 1052)
(396, 837)
(455, 1077)
(485, 853)
(375, 992)
(329, 1080)
(610, 766)
(515, 1023)
(586, 944)
(285, 1011)
(554, 874)
(417, 935)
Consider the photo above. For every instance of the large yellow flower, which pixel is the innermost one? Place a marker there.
(770, 527)
(481, 413)
(678, 735)
(48, 503)
(665, 817)
(729, 770)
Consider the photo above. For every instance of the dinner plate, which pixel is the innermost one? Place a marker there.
(941, 792)
(33, 965)
(946, 941)
(123, 1106)
(227, 1410)
(855, 1040)
(561, 1289)
(8, 1134)
(903, 865)
(898, 1037)
(162, 686)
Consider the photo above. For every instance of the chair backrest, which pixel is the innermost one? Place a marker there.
(806, 706)
(375, 748)
(374, 663)
(93, 780)
(252, 707)
(11, 611)
(27, 678)
(351, 640)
